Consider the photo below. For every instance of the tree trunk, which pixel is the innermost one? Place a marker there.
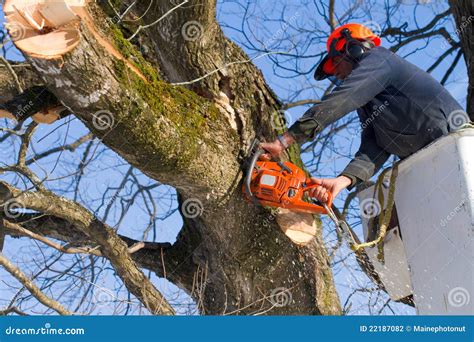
(230, 256)
(463, 11)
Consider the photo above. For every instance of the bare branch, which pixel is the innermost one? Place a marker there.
(10, 309)
(112, 247)
(70, 147)
(34, 290)
(13, 73)
(157, 20)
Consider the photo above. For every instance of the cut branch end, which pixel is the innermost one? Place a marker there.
(43, 29)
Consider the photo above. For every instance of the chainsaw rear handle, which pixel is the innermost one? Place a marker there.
(312, 185)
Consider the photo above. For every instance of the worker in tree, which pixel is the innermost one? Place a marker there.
(401, 107)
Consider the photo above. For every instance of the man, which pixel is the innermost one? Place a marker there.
(401, 107)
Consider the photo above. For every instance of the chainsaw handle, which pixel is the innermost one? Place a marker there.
(311, 185)
(248, 177)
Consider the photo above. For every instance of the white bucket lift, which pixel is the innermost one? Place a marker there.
(429, 249)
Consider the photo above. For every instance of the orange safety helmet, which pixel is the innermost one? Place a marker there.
(337, 43)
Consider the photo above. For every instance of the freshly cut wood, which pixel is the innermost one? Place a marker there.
(57, 13)
(48, 29)
(43, 29)
(49, 116)
(52, 45)
(6, 114)
(300, 228)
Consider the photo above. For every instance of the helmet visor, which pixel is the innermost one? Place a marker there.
(325, 68)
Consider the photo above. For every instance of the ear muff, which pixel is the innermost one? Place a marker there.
(354, 48)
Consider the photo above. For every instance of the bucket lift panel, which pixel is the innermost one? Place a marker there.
(434, 201)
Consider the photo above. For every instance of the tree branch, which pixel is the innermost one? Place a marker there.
(34, 290)
(175, 258)
(69, 147)
(112, 247)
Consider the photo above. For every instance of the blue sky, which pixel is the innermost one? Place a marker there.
(106, 170)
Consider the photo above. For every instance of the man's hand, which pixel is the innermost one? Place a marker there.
(276, 147)
(333, 185)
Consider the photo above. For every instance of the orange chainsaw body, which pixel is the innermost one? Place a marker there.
(283, 185)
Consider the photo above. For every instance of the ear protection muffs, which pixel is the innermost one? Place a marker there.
(354, 48)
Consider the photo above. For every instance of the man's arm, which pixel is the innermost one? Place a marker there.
(367, 161)
(368, 79)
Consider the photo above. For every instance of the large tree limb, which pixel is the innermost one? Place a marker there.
(111, 245)
(172, 261)
(149, 114)
(26, 76)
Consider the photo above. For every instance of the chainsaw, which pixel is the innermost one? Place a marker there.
(280, 184)
(283, 185)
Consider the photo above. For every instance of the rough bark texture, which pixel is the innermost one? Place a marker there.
(26, 77)
(232, 256)
(463, 11)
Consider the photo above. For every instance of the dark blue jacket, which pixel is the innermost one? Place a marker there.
(401, 109)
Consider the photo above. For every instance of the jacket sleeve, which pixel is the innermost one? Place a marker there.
(367, 161)
(370, 77)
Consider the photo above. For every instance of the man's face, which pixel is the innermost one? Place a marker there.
(343, 67)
